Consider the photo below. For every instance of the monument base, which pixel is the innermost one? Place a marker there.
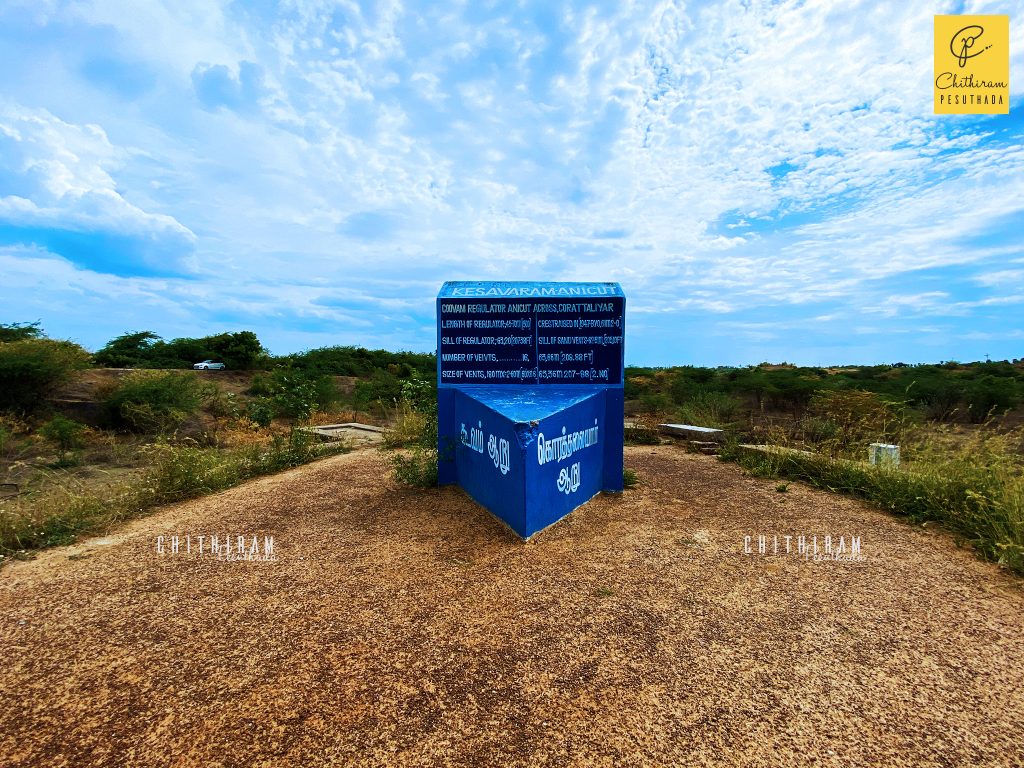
(530, 456)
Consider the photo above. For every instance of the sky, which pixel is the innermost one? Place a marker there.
(766, 180)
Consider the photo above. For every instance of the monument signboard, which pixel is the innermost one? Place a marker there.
(530, 399)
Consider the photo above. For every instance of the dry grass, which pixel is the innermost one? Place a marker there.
(408, 426)
(971, 481)
(342, 416)
(64, 507)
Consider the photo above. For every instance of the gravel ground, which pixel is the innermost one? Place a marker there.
(410, 628)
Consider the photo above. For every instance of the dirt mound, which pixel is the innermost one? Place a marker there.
(400, 627)
(87, 385)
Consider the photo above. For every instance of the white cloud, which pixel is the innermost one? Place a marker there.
(60, 177)
(743, 155)
(178, 34)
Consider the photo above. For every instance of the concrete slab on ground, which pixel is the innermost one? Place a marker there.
(692, 432)
(357, 435)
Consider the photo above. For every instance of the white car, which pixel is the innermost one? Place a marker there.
(208, 365)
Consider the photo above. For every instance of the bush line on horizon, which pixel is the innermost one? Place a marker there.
(709, 396)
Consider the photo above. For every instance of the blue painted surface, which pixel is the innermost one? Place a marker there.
(569, 478)
(464, 289)
(519, 365)
(481, 465)
(530, 461)
(614, 406)
(513, 337)
(525, 404)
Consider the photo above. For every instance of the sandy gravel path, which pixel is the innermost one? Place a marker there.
(410, 628)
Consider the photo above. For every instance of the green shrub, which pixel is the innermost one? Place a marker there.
(656, 403)
(262, 385)
(65, 433)
(298, 394)
(183, 472)
(261, 411)
(295, 396)
(156, 403)
(32, 369)
(415, 425)
(357, 361)
(381, 391)
(416, 468)
(709, 408)
(291, 392)
(988, 395)
(630, 479)
(421, 394)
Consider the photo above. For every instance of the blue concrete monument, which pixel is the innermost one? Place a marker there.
(529, 397)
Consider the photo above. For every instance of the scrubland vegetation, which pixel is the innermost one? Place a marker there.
(742, 396)
(85, 443)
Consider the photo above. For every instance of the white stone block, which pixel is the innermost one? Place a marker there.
(884, 454)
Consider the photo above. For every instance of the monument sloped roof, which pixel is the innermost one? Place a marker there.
(469, 289)
(525, 404)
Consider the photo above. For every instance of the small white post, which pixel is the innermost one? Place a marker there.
(884, 454)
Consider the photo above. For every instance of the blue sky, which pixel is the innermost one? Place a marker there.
(766, 180)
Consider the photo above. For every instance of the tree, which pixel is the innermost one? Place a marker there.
(755, 380)
(144, 349)
(129, 350)
(31, 369)
(850, 417)
(178, 353)
(20, 331)
(239, 351)
(988, 395)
